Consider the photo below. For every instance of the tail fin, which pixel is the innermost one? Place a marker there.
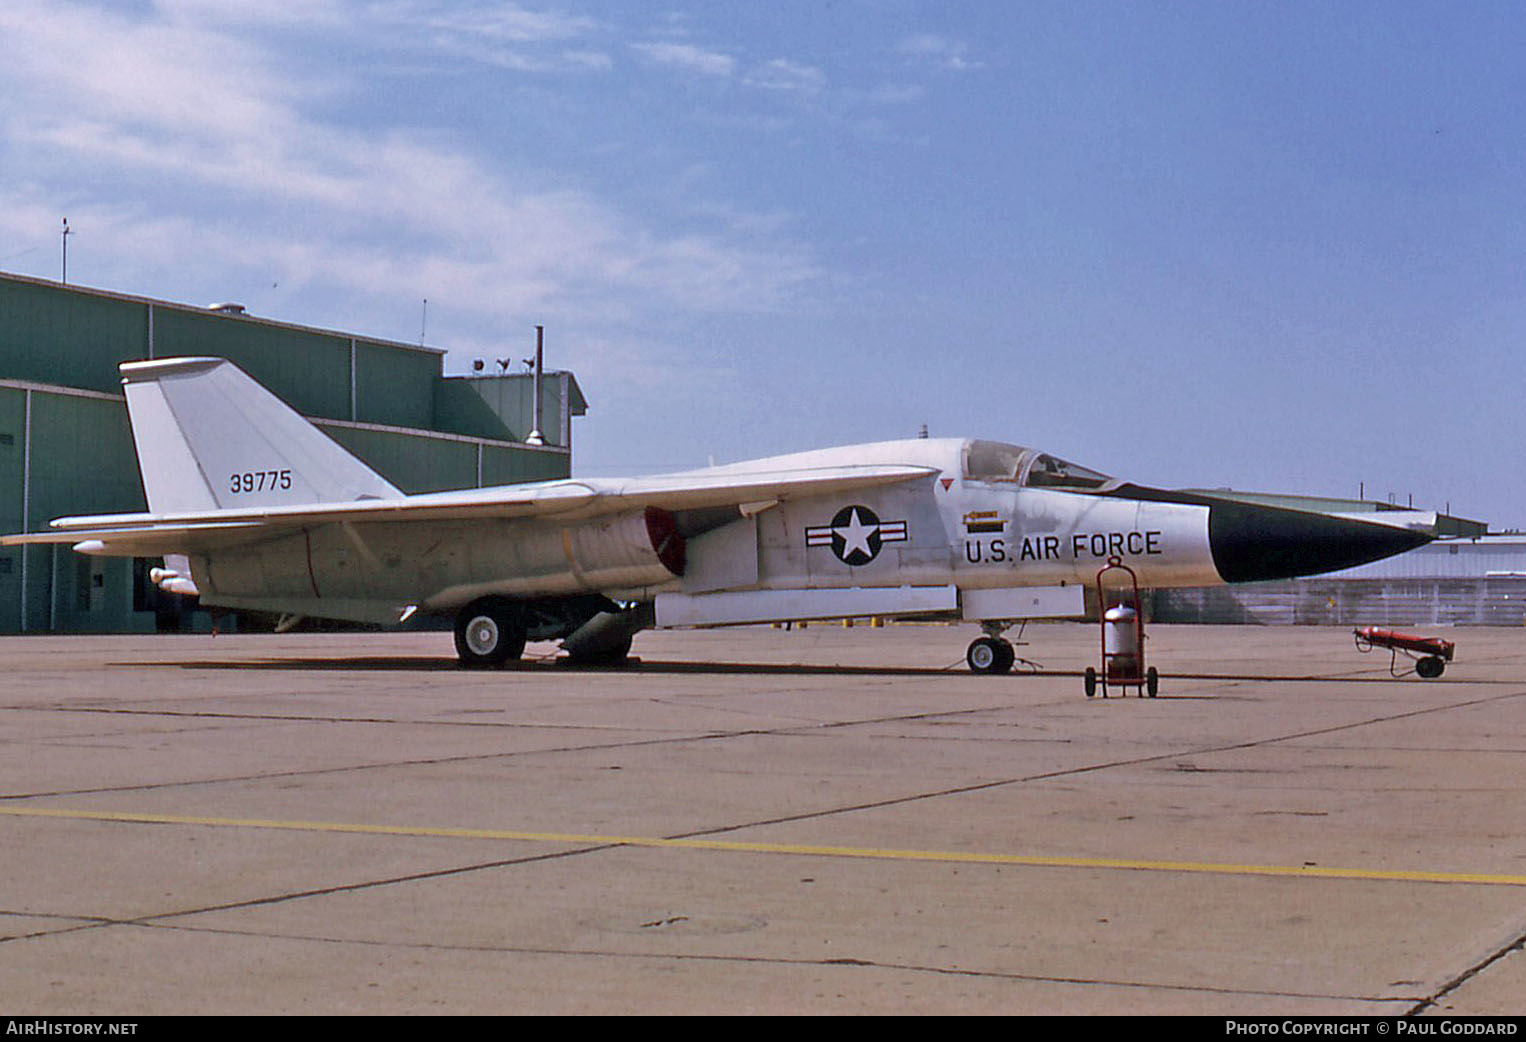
(209, 438)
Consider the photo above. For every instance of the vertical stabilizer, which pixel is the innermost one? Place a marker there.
(209, 437)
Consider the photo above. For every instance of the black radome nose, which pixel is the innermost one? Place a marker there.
(1253, 543)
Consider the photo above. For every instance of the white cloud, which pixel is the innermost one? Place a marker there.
(896, 94)
(939, 51)
(68, 59)
(784, 75)
(631, 372)
(255, 12)
(492, 20)
(521, 61)
(218, 135)
(742, 221)
(504, 35)
(688, 58)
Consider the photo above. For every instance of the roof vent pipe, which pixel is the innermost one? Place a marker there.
(536, 438)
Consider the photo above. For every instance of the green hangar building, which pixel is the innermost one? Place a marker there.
(66, 446)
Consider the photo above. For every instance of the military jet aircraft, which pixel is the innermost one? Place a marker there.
(253, 507)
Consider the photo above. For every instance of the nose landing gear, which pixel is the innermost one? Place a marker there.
(994, 653)
(990, 655)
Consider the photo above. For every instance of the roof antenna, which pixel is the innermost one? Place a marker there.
(423, 321)
(65, 238)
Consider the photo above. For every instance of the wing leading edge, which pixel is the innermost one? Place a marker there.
(142, 535)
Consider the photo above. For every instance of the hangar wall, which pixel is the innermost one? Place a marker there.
(66, 445)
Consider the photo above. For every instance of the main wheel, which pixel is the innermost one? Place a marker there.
(1090, 681)
(1431, 667)
(1152, 681)
(990, 655)
(489, 633)
(610, 656)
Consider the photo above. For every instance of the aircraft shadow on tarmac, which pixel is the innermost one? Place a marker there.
(379, 664)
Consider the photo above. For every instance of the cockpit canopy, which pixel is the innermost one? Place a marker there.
(994, 461)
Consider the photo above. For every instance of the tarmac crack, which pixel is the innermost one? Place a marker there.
(847, 962)
(1064, 772)
(72, 923)
(792, 729)
(89, 922)
(1519, 944)
(795, 729)
(1417, 1004)
(206, 714)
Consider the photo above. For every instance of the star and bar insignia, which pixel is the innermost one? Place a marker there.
(856, 535)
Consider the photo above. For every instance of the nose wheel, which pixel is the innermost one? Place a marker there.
(994, 653)
(990, 655)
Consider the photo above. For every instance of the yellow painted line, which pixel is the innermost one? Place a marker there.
(873, 853)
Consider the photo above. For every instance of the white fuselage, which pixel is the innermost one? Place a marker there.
(945, 530)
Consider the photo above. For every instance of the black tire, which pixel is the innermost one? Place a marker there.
(615, 656)
(1090, 680)
(1431, 667)
(986, 655)
(1152, 681)
(489, 633)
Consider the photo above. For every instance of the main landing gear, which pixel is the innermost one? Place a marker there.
(489, 632)
(594, 630)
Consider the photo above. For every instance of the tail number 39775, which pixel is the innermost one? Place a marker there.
(259, 481)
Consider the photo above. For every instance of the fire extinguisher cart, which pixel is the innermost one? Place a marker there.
(1431, 654)
(1123, 639)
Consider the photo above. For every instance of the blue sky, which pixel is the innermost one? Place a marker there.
(1270, 246)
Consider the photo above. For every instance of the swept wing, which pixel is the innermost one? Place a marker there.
(150, 534)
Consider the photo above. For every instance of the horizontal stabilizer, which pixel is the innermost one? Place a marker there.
(147, 540)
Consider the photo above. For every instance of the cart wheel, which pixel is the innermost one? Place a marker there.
(1091, 682)
(1152, 681)
(1431, 667)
